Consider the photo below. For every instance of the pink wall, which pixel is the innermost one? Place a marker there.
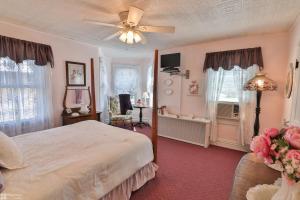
(275, 55)
(294, 52)
(63, 50)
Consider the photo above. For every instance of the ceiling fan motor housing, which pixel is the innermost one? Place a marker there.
(123, 17)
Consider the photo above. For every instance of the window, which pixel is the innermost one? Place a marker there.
(14, 97)
(126, 81)
(24, 97)
(229, 91)
(227, 86)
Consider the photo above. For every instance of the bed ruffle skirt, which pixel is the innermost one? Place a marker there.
(133, 183)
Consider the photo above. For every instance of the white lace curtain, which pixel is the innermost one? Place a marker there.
(246, 99)
(150, 77)
(214, 88)
(126, 80)
(25, 97)
(104, 89)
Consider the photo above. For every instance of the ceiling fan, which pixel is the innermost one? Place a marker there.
(130, 30)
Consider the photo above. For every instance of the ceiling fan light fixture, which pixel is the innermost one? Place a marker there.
(130, 30)
(130, 37)
(123, 37)
(137, 37)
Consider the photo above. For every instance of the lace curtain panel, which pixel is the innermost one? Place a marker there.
(214, 87)
(126, 81)
(245, 99)
(25, 97)
(150, 76)
(104, 89)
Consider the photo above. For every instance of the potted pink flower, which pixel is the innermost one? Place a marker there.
(281, 147)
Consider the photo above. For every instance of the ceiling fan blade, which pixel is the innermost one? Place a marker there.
(134, 16)
(157, 29)
(144, 40)
(101, 23)
(113, 36)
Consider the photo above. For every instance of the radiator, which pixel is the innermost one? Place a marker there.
(186, 130)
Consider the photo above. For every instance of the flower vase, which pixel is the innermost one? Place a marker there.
(287, 191)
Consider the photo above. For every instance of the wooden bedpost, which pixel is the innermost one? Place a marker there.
(93, 99)
(154, 112)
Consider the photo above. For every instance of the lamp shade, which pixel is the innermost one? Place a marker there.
(260, 83)
(137, 37)
(130, 37)
(146, 95)
(123, 37)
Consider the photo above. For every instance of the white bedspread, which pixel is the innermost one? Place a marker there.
(80, 161)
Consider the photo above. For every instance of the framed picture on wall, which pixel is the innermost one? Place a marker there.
(194, 89)
(76, 74)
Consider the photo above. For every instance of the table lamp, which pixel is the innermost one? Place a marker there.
(259, 83)
(145, 97)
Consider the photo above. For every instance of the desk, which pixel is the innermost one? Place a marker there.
(141, 123)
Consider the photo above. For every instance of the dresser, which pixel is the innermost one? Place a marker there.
(71, 120)
(80, 97)
(68, 119)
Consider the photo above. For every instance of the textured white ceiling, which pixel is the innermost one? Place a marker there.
(195, 20)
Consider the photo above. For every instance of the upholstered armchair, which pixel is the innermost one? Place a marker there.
(116, 118)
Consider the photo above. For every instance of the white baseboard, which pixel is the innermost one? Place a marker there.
(181, 140)
(230, 145)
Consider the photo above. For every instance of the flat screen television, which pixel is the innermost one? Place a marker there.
(170, 60)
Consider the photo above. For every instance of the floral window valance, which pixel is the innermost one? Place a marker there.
(243, 58)
(20, 50)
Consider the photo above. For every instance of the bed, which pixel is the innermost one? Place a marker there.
(86, 160)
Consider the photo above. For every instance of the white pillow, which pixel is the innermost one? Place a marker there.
(10, 155)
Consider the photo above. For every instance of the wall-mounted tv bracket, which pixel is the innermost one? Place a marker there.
(186, 74)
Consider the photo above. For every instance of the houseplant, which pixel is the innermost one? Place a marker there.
(281, 147)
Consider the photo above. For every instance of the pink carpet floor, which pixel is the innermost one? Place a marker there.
(190, 172)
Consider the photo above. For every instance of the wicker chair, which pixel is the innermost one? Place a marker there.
(250, 172)
(115, 116)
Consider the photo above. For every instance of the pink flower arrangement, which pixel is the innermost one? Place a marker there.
(261, 146)
(292, 135)
(280, 146)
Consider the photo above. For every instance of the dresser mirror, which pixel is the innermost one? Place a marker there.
(77, 101)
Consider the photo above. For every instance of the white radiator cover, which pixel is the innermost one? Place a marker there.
(190, 131)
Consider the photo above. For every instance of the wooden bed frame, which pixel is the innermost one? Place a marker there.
(154, 107)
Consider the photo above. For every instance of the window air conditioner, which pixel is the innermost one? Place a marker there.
(227, 110)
